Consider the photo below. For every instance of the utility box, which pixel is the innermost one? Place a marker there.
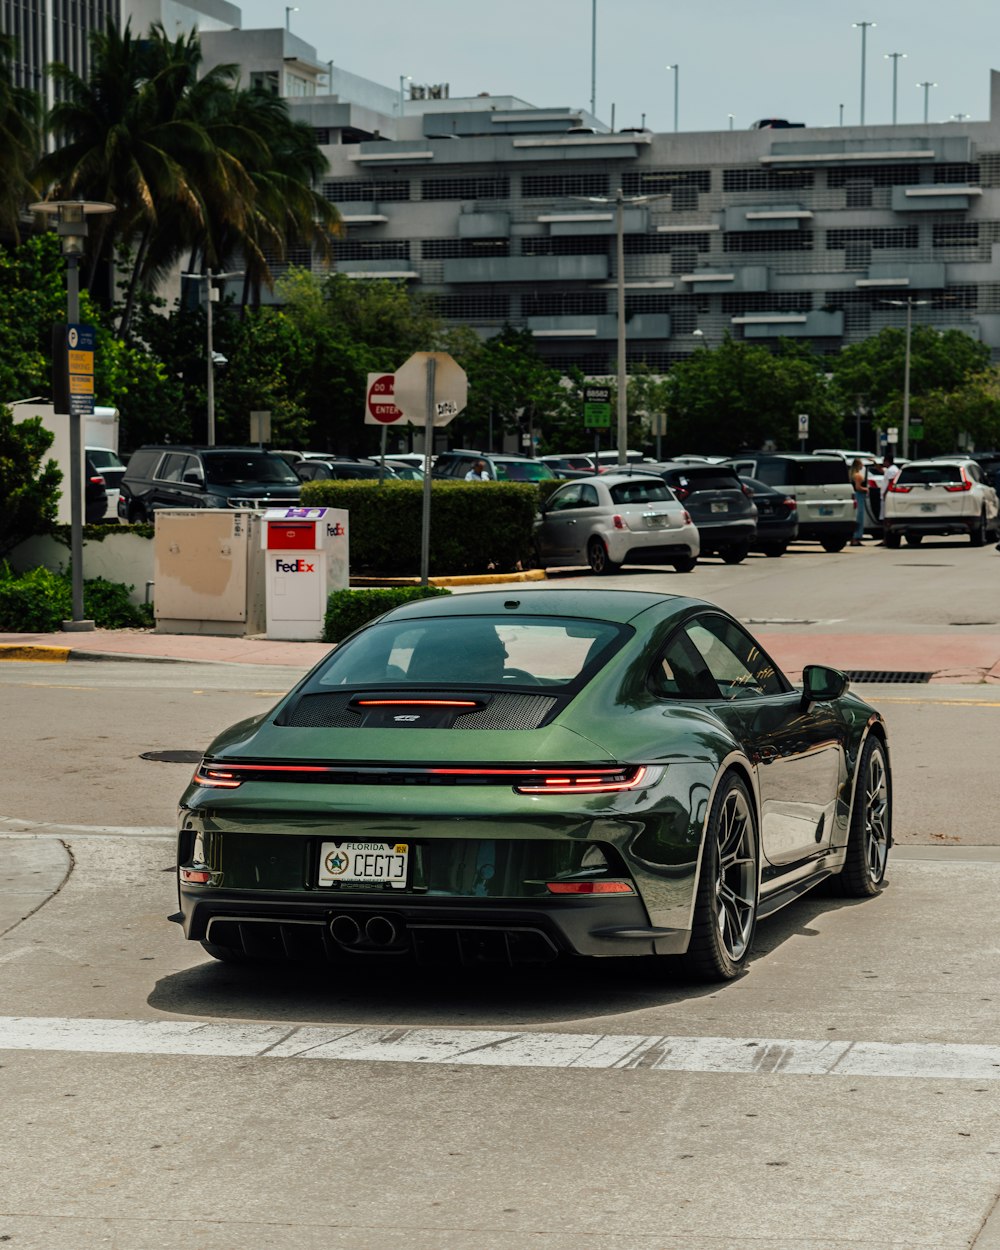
(208, 571)
(306, 557)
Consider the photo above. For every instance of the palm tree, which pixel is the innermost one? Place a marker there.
(20, 113)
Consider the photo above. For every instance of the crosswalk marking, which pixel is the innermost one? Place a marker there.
(503, 1048)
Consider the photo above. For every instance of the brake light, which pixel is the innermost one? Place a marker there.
(416, 703)
(681, 492)
(894, 488)
(965, 484)
(747, 491)
(687, 517)
(618, 522)
(216, 778)
(586, 782)
(195, 875)
(790, 503)
(589, 887)
(97, 480)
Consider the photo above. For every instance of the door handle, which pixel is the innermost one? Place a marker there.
(767, 755)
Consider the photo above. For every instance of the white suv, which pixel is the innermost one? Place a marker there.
(946, 495)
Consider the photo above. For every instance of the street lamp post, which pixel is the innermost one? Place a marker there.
(403, 79)
(593, 58)
(909, 304)
(71, 226)
(211, 292)
(927, 89)
(289, 10)
(894, 57)
(677, 76)
(863, 27)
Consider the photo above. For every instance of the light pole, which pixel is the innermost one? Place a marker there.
(403, 79)
(211, 293)
(289, 10)
(863, 27)
(71, 226)
(731, 119)
(894, 57)
(677, 76)
(593, 58)
(841, 107)
(909, 304)
(927, 90)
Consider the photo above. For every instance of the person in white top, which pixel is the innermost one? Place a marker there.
(890, 471)
(477, 473)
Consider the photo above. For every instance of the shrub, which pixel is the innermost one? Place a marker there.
(29, 492)
(475, 526)
(38, 601)
(348, 610)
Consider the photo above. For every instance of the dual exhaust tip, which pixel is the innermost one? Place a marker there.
(378, 931)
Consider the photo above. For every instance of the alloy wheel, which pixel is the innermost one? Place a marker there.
(876, 813)
(736, 880)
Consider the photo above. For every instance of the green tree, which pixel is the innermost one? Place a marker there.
(29, 490)
(20, 114)
(741, 395)
(967, 415)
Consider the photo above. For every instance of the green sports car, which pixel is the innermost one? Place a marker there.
(510, 776)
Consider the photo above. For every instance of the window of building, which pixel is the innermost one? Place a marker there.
(364, 190)
(768, 241)
(265, 80)
(470, 188)
(739, 304)
(563, 303)
(877, 175)
(321, 134)
(956, 234)
(296, 86)
(767, 179)
(565, 245)
(463, 249)
(371, 249)
(664, 181)
(877, 237)
(559, 186)
(966, 174)
(473, 305)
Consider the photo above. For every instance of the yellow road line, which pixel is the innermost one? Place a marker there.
(945, 702)
(33, 654)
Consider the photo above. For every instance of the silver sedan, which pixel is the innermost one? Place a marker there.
(616, 519)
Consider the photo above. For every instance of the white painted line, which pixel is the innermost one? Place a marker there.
(489, 1048)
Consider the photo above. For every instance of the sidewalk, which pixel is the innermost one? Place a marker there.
(952, 659)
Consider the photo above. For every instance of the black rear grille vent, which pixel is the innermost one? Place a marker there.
(504, 711)
(888, 676)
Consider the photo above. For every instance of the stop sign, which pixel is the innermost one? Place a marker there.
(451, 388)
(379, 408)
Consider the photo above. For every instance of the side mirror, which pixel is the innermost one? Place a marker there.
(822, 685)
(193, 478)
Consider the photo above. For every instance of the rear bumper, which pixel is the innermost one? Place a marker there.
(503, 931)
(825, 529)
(940, 525)
(726, 534)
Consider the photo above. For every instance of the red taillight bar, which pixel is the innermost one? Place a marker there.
(589, 887)
(895, 489)
(965, 484)
(415, 703)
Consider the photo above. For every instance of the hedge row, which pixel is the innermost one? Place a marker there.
(475, 526)
(38, 601)
(348, 610)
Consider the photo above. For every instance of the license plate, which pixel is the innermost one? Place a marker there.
(928, 507)
(826, 511)
(364, 863)
(655, 520)
(719, 507)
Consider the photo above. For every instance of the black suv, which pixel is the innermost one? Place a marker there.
(204, 477)
(719, 504)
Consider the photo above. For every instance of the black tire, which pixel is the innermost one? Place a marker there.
(137, 514)
(597, 557)
(913, 540)
(892, 539)
(734, 555)
(725, 910)
(833, 545)
(685, 564)
(863, 874)
(228, 954)
(978, 535)
(774, 550)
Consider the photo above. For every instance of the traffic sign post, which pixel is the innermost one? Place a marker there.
(431, 388)
(597, 412)
(892, 435)
(803, 429)
(380, 405)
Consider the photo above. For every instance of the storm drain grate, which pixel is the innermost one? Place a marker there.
(888, 675)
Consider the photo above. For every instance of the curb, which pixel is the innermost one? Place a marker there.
(32, 653)
(471, 579)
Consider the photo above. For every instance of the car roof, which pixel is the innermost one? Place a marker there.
(611, 479)
(484, 455)
(618, 606)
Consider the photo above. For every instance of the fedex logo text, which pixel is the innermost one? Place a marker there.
(293, 566)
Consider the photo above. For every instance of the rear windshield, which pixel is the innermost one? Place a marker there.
(709, 479)
(640, 492)
(522, 471)
(928, 474)
(803, 472)
(102, 458)
(472, 650)
(230, 468)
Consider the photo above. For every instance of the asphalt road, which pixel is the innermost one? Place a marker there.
(844, 1095)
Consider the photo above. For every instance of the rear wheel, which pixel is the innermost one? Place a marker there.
(833, 545)
(978, 535)
(914, 540)
(891, 539)
(725, 912)
(863, 873)
(686, 564)
(734, 555)
(136, 514)
(597, 557)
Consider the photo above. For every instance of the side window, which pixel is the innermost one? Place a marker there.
(588, 497)
(171, 468)
(193, 472)
(569, 497)
(737, 664)
(772, 473)
(680, 672)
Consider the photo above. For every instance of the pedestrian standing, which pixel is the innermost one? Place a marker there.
(890, 471)
(859, 485)
(478, 472)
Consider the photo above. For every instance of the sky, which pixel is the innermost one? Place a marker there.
(798, 59)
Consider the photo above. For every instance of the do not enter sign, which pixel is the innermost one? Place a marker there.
(379, 408)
